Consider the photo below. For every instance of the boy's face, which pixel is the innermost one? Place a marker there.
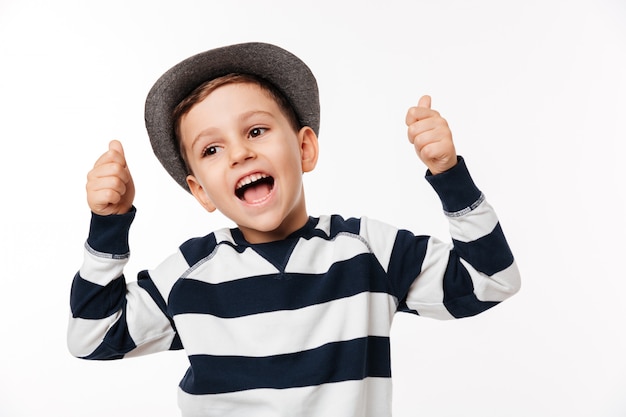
(248, 161)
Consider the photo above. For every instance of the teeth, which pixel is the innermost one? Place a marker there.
(250, 179)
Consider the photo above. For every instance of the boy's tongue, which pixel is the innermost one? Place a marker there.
(256, 192)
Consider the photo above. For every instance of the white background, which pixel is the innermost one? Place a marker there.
(534, 91)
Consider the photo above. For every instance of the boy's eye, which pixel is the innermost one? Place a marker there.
(257, 131)
(210, 150)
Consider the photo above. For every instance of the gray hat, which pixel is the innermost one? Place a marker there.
(285, 71)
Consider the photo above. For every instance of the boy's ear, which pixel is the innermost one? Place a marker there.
(309, 148)
(198, 192)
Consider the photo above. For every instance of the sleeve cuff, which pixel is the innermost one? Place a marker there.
(455, 188)
(109, 234)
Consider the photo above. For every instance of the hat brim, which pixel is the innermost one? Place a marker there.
(290, 75)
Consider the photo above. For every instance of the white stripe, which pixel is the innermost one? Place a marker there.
(381, 238)
(101, 270)
(224, 235)
(85, 335)
(497, 287)
(323, 224)
(147, 325)
(232, 265)
(345, 246)
(474, 225)
(288, 331)
(370, 397)
(168, 272)
(426, 293)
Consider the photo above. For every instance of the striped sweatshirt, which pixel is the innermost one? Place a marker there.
(297, 327)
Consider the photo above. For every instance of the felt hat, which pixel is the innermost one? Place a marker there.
(285, 71)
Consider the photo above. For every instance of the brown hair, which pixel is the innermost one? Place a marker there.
(203, 90)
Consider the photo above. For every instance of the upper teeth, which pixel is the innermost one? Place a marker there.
(250, 179)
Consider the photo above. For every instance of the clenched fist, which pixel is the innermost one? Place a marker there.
(110, 188)
(431, 136)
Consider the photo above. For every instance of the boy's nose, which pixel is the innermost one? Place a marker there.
(240, 152)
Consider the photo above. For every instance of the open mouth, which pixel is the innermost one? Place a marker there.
(254, 188)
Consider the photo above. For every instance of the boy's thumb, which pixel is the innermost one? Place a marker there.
(424, 102)
(116, 145)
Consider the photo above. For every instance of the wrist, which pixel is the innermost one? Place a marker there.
(441, 167)
(455, 187)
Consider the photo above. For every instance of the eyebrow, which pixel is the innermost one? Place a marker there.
(241, 119)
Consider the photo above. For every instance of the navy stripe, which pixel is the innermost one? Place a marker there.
(93, 301)
(176, 344)
(455, 187)
(458, 297)
(109, 234)
(268, 293)
(488, 254)
(197, 249)
(339, 225)
(404, 308)
(117, 342)
(406, 261)
(335, 362)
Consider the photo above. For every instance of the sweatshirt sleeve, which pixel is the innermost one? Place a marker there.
(112, 319)
(473, 273)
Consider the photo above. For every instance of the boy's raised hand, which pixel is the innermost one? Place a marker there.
(110, 188)
(431, 136)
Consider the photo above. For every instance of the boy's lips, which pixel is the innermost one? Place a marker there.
(254, 188)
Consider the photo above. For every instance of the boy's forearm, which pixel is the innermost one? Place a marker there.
(99, 289)
(478, 239)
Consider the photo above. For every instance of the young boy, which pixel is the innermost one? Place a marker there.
(286, 314)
